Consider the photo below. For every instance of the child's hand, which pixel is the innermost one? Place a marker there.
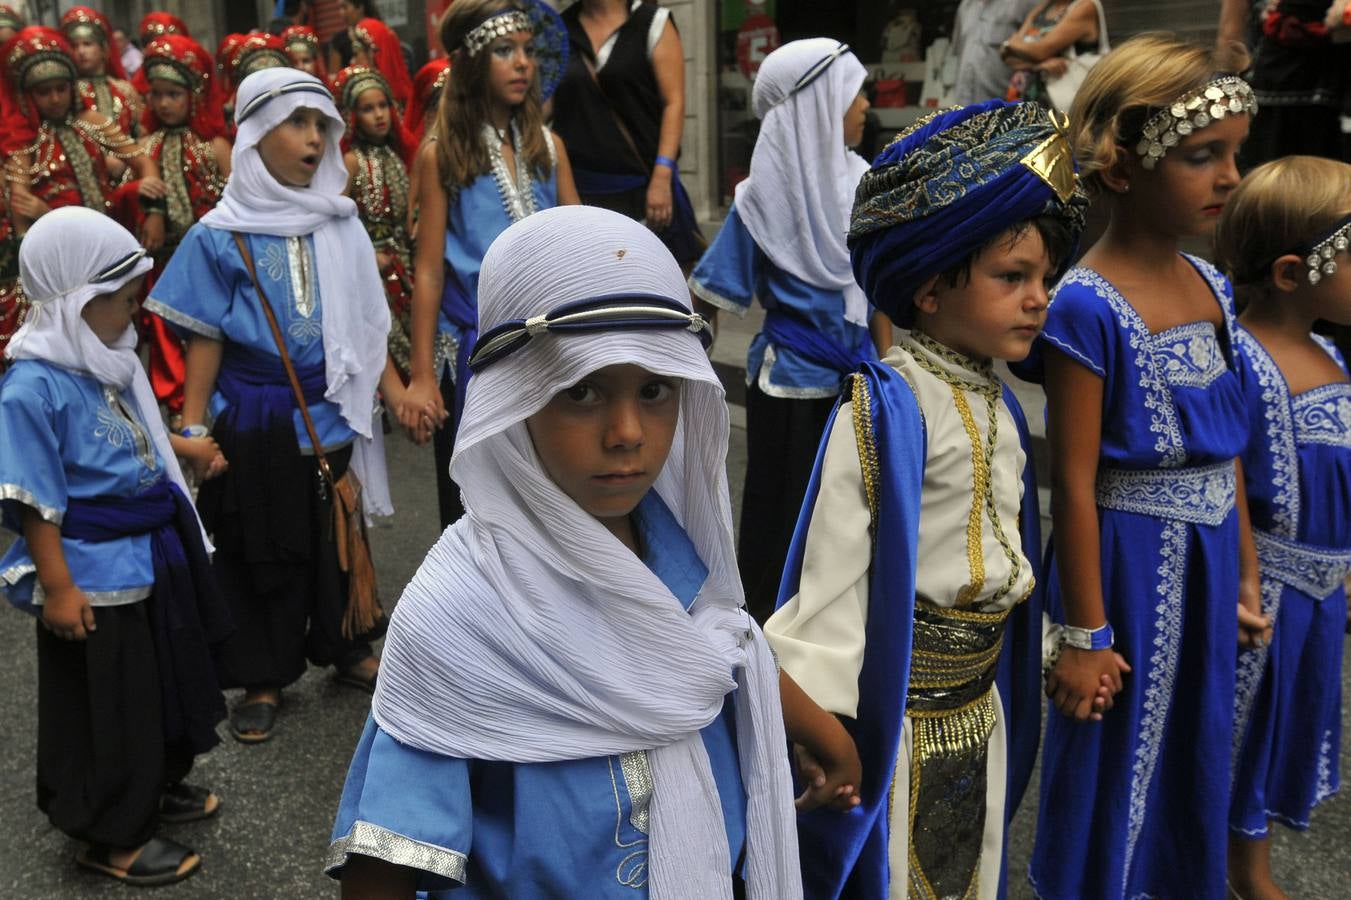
(831, 770)
(202, 455)
(217, 466)
(1083, 682)
(67, 614)
(29, 207)
(152, 188)
(1254, 629)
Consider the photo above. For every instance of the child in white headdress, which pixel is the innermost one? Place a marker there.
(279, 554)
(111, 558)
(574, 650)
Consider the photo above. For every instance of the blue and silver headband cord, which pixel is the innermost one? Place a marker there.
(119, 268)
(266, 97)
(817, 69)
(610, 312)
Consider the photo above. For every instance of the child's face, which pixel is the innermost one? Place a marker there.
(604, 440)
(511, 66)
(109, 315)
(1001, 310)
(91, 57)
(1187, 190)
(360, 55)
(303, 60)
(854, 119)
(292, 150)
(372, 113)
(170, 102)
(52, 98)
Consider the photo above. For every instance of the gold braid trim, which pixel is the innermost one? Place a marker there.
(867, 443)
(975, 554)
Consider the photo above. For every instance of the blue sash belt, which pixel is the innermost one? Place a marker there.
(1317, 571)
(187, 615)
(255, 385)
(788, 328)
(1203, 495)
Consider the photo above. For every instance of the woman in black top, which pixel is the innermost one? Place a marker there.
(620, 109)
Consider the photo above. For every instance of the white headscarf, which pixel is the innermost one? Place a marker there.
(531, 634)
(797, 198)
(60, 255)
(355, 312)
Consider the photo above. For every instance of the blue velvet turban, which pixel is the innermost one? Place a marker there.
(949, 185)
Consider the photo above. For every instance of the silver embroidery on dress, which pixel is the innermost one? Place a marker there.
(632, 868)
(1323, 415)
(118, 425)
(1280, 434)
(1189, 355)
(518, 196)
(1317, 571)
(1252, 664)
(1203, 494)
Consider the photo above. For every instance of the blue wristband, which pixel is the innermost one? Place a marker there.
(195, 431)
(667, 162)
(1100, 638)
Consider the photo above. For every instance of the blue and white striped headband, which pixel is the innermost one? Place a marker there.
(258, 102)
(817, 70)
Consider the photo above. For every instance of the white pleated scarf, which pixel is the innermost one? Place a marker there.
(797, 198)
(531, 634)
(355, 313)
(61, 252)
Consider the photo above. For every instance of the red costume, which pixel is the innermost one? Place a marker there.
(110, 93)
(158, 24)
(386, 56)
(193, 176)
(427, 86)
(302, 38)
(10, 19)
(380, 189)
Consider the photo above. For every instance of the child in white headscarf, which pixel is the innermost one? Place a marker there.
(272, 515)
(783, 242)
(575, 648)
(111, 558)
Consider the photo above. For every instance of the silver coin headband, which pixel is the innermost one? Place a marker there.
(1322, 256)
(498, 26)
(1227, 95)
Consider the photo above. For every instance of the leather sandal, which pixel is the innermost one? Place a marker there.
(184, 802)
(353, 677)
(161, 861)
(251, 723)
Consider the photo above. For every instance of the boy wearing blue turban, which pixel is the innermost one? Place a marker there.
(912, 570)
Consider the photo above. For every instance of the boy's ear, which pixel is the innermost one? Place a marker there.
(926, 296)
(1287, 273)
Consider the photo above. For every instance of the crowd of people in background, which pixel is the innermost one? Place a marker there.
(226, 275)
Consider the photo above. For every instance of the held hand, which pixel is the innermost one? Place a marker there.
(67, 614)
(1074, 685)
(831, 770)
(1054, 67)
(29, 207)
(152, 188)
(217, 466)
(152, 231)
(1254, 629)
(199, 452)
(659, 208)
(422, 410)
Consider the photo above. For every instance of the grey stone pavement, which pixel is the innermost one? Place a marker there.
(270, 837)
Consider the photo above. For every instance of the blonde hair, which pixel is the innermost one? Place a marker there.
(1277, 207)
(1130, 84)
(463, 108)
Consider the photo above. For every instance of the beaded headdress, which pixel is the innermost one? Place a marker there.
(179, 60)
(500, 25)
(550, 41)
(1321, 255)
(1224, 96)
(10, 19)
(83, 23)
(158, 24)
(300, 36)
(254, 52)
(351, 81)
(37, 55)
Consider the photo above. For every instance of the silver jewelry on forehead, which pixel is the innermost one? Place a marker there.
(498, 26)
(1227, 95)
(1322, 256)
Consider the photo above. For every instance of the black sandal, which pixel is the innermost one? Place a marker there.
(184, 802)
(352, 677)
(251, 723)
(161, 861)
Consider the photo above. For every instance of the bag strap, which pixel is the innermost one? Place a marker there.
(296, 389)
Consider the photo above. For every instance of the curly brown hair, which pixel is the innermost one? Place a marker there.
(460, 154)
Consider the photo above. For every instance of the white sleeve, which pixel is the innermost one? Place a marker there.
(818, 634)
(654, 31)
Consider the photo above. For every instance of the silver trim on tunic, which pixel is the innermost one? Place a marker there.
(183, 320)
(371, 840)
(24, 496)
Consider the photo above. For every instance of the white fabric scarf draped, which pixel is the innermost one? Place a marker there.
(531, 634)
(60, 254)
(797, 198)
(355, 314)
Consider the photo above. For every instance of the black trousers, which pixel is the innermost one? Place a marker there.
(782, 437)
(102, 760)
(443, 445)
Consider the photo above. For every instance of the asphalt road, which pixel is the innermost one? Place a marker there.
(270, 837)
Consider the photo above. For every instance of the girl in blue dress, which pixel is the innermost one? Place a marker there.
(571, 678)
(1150, 553)
(1284, 239)
(492, 162)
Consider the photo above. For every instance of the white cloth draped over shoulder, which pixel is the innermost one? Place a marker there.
(60, 255)
(531, 634)
(797, 198)
(352, 296)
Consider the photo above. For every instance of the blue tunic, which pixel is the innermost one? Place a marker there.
(206, 290)
(495, 826)
(784, 363)
(1287, 716)
(66, 436)
(1136, 804)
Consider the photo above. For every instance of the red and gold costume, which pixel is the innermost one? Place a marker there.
(10, 19)
(386, 57)
(110, 93)
(297, 38)
(194, 179)
(380, 189)
(427, 87)
(158, 24)
(240, 55)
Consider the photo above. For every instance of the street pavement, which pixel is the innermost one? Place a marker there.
(271, 835)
